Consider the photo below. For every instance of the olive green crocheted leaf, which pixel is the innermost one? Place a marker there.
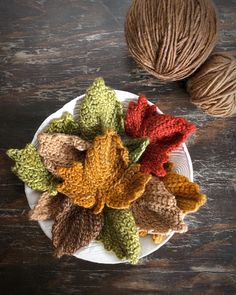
(30, 169)
(65, 124)
(136, 147)
(99, 111)
(120, 234)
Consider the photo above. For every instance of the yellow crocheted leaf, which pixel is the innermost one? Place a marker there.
(187, 193)
(105, 177)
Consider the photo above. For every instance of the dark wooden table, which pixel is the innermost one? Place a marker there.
(50, 51)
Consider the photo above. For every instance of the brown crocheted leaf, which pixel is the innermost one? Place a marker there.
(47, 207)
(156, 211)
(74, 227)
(60, 150)
(105, 178)
(188, 195)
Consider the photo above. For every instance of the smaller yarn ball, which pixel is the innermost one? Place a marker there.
(213, 87)
(171, 38)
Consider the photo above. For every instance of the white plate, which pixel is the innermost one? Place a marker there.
(95, 251)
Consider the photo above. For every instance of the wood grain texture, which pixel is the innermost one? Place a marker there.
(50, 51)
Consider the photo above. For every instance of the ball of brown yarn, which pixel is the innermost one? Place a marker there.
(213, 87)
(171, 38)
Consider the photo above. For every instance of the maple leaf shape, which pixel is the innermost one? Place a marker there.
(105, 177)
(156, 211)
(165, 132)
(99, 111)
(74, 227)
(187, 193)
(60, 150)
(30, 169)
(65, 124)
(47, 207)
(120, 235)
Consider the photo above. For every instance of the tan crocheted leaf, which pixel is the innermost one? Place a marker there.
(60, 150)
(105, 177)
(47, 207)
(187, 193)
(74, 227)
(156, 211)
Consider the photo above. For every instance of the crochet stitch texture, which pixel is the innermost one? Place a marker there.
(105, 177)
(165, 132)
(187, 193)
(60, 150)
(47, 207)
(120, 234)
(156, 211)
(136, 147)
(74, 227)
(99, 111)
(65, 124)
(30, 169)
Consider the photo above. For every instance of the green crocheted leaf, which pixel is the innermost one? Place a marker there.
(120, 234)
(30, 169)
(99, 111)
(65, 124)
(136, 147)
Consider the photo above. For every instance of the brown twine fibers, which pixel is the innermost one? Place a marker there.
(213, 86)
(171, 38)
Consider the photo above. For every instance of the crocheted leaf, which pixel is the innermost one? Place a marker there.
(187, 193)
(105, 178)
(99, 111)
(119, 234)
(136, 147)
(156, 211)
(65, 124)
(74, 227)
(165, 132)
(30, 169)
(47, 207)
(60, 150)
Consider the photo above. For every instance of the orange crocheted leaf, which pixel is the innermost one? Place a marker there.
(105, 177)
(156, 211)
(187, 193)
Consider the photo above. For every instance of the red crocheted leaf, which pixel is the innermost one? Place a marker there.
(165, 132)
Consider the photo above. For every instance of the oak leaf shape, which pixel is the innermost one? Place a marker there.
(156, 211)
(74, 227)
(31, 170)
(188, 195)
(120, 235)
(99, 111)
(60, 150)
(65, 124)
(105, 177)
(165, 132)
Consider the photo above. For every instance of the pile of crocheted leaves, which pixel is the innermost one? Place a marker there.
(165, 133)
(95, 175)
